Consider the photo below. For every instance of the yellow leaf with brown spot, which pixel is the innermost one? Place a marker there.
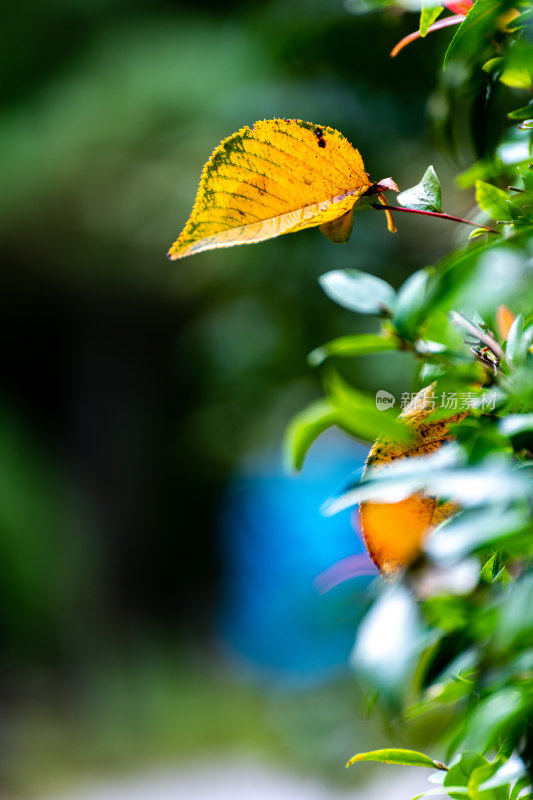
(279, 176)
(394, 532)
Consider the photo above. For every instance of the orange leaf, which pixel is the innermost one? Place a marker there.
(504, 320)
(394, 532)
(279, 176)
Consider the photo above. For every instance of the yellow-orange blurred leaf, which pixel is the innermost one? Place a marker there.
(504, 321)
(279, 176)
(394, 532)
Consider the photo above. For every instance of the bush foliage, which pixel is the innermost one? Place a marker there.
(451, 635)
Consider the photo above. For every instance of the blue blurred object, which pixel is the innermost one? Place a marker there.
(274, 544)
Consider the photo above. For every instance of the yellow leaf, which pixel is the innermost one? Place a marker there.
(394, 532)
(279, 176)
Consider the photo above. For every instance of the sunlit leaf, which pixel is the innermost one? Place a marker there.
(428, 15)
(492, 200)
(516, 78)
(279, 176)
(393, 755)
(394, 532)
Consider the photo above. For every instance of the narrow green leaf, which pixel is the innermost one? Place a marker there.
(523, 20)
(525, 112)
(477, 232)
(428, 15)
(304, 428)
(425, 196)
(348, 346)
(359, 291)
(520, 785)
(409, 758)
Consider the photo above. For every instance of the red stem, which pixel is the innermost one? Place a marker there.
(438, 214)
(457, 19)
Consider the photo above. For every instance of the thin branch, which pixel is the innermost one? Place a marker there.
(457, 19)
(438, 214)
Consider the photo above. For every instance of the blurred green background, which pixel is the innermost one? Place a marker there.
(131, 387)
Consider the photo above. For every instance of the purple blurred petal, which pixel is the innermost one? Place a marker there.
(355, 566)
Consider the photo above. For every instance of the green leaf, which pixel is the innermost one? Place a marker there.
(358, 414)
(481, 278)
(359, 291)
(393, 755)
(473, 530)
(469, 36)
(426, 195)
(459, 773)
(477, 232)
(493, 65)
(516, 78)
(512, 349)
(523, 20)
(410, 302)
(514, 424)
(498, 714)
(428, 15)
(492, 200)
(514, 625)
(520, 785)
(390, 639)
(482, 787)
(304, 428)
(348, 346)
